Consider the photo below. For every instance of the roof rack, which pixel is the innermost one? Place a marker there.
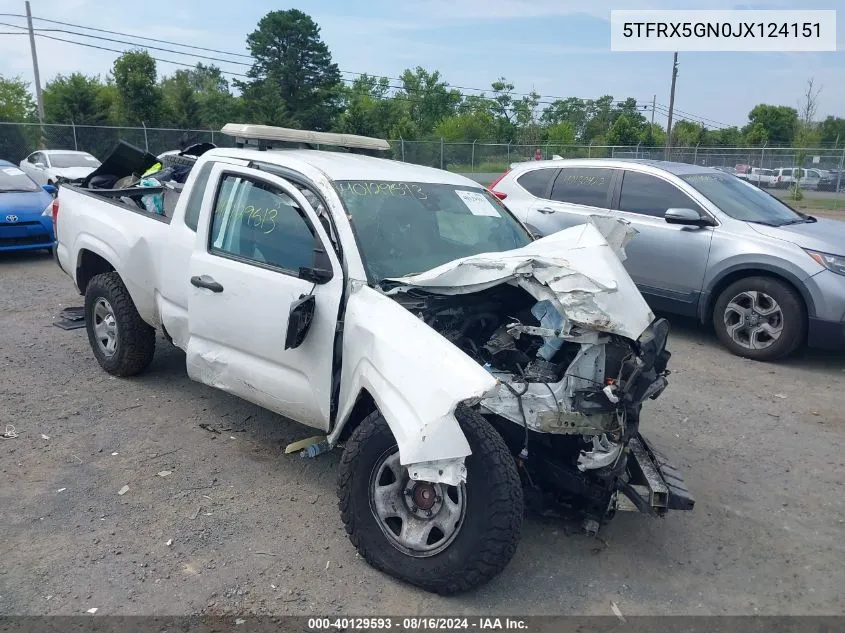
(266, 135)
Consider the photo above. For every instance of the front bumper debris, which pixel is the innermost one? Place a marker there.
(654, 486)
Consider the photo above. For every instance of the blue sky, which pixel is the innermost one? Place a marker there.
(556, 47)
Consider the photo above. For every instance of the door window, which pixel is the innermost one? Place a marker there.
(256, 222)
(583, 185)
(536, 181)
(648, 195)
(194, 203)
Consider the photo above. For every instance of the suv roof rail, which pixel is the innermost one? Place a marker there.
(266, 135)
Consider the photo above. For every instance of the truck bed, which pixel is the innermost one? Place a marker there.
(94, 224)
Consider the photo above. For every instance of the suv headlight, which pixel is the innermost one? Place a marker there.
(836, 263)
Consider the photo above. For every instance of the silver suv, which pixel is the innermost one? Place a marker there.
(710, 245)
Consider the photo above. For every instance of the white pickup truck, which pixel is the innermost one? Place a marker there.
(467, 369)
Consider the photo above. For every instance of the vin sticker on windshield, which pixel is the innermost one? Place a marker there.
(477, 203)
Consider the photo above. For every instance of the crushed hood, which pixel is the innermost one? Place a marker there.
(579, 269)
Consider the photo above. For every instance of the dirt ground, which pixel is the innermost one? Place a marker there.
(238, 527)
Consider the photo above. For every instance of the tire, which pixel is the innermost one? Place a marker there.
(773, 324)
(489, 527)
(131, 341)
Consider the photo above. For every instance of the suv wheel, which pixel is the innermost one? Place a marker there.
(760, 318)
(446, 539)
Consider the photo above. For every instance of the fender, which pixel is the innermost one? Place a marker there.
(89, 242)
(751, 267)
(139, 286)
(416, 377)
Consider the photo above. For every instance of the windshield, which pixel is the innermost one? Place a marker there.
(406, 227)
(743, 201)
(13, 179)
(63, 161)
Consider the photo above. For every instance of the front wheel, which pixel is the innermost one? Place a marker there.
(122, 342)
(445, 539)
(760, 318)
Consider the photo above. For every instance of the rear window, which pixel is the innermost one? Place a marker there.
(536, 182)
(65, 161)
(13, 179)
(583, 185)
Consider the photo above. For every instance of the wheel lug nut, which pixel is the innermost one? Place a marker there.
(428, 513)
(408, 492)
(413, 509)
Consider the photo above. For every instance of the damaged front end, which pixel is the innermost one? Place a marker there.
(575, 352)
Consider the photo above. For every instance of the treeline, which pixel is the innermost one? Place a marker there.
(293, 82)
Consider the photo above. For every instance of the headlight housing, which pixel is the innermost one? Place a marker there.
(835, 263)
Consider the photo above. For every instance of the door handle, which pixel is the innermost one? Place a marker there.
(207, 282)
(545, 210)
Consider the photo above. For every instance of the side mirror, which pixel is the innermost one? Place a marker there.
(321, 271)
(299, 321)
(41, 165)
(50, 189)
(688, 217)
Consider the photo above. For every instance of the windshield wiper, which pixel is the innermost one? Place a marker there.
(17, 190)
(805, 220)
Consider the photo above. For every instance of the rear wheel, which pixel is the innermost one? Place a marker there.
(446, 539)
(122, 342)
(760, 318)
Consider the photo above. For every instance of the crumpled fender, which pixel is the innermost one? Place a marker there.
(415, 376)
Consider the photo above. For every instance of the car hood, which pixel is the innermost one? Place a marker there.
(23, 203)
(823, 235)
(72, 173)
(579, 269)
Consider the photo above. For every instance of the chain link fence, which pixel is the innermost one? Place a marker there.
(18, 140)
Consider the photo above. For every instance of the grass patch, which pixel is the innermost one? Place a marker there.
(808, 203)
(466, 168)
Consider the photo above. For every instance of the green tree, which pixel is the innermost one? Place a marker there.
(466, 127)
(138, 94)
(76, 98)
(571, 110)
(778, 121)
(832, 131)
(16, 105)
(370, 110)
(430, 100)
(599, 118)
(688, 134)
(16, 102)
(623, 132)
(756, 135)
(179, 101)
(293, 81)
(726, 137)
(562, 133)
(653, 135)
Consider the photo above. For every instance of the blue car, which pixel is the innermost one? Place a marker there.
(26, 221)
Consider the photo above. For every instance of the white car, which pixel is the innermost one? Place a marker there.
(51, 166)
(761, 177)
(409, 316)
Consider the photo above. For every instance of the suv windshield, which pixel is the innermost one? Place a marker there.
(63, 161)
(13, 179)
(407, 227)
(742, 201)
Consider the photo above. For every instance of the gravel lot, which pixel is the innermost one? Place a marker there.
(238, 527)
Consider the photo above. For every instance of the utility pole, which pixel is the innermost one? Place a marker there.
(38, 96)
(653, 105)
(671, 108)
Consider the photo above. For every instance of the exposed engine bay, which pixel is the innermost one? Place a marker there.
(569, 398)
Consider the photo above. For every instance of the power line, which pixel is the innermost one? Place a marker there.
(40, 33)
(137, 37)
(242, 55)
